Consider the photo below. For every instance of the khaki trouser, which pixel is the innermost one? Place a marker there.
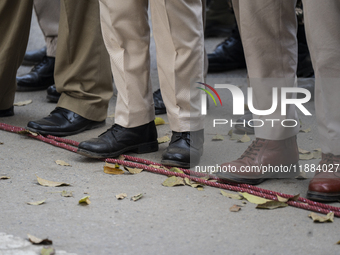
(82, 70)
(178, 33)
(268, 30)
(48, 18)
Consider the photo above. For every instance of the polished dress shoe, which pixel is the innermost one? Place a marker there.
(325, 185)
(7, 112)
(34, 57)
(63, 122)
(260, 156)
(118, 140)
(40, 77)
(159, 103)
(185, 149)
(52, 94)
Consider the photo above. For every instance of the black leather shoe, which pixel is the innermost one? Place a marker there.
(185, 149)
(34, 57)
(159, 103)
(40, 77)
(118, 140)
(63, 122)
(52, 94)
(7, 113)
(228, 55)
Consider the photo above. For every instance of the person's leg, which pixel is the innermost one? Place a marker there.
(322, 23)
(82, 72)
(271, 63)
(15, 22)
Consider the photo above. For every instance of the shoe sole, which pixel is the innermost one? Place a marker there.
(176, 163)
(256, 181)
(140, 149)
(323, 197)
(61, 134)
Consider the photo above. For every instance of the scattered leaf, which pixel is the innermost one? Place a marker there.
(254, 199)
(173, 181)
(294, 198)
(24, 132)
(159, 121)
(121, 196)
(47, 183)
(66, 193)
(133, 170)
(321, 218)
(136, 197)
(112, 169)
(47, 251)
(62, 163)
(163, 139)
(232, 135)
(338, 242)
(111, 116)
(85, 200)
(230, 195)
(234, 208)
(4, 177)
(302, 151)
(176, 170)
(200, 189)
(301, 176)
(271, 205)
(317, 154)
(308, 130)
(244, 139)
(36, 240)
(37, 202)
(121, 157)
(23, 103)
(284, 200)
(218, 138)
(306, 156)
(192, 183)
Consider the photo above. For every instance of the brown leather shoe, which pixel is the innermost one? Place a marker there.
(262, 160)
(325, 185)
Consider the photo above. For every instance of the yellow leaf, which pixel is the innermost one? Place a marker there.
(62, 163)
(306, 156)
(121, 196)
(301, 176)
(36, 240)
(308, 130)
(230, 195)
(173, 181)
(47, 183)
(4, 177)
(23, 103)
(320, 218)
(85, 200)
(232, 136)
(176, 170)
(65, 193)
(159, 121)
(218, 138)
(24, 132)
(37, 202)
(244, 139)
(47, 251)
(137, 197)
(302, 151)
(111, 116)
(200, 189)
(112, 169)
(163, 139)
(282, 199)
(317, 154)
(234, 208)
(271, 205)
(254, 199)
(121, 157)
(192, 183)
(133, 170)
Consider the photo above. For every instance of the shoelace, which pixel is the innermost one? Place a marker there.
(184, 135)
(252, 149)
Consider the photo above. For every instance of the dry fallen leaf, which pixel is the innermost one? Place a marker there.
(302, 151)
(111, 116)
(306, 156)
(121, 196)
(173, 181)
(321, 218)
(4, 177)
(47, 251)
(308, 130)
(37, 202)
(230, 195)
(271, 205)
(66, 193)
(338, 242)
(163, 139)
(284, 200)
(244, 139)
(23, 103)
(175, 170)
(218, 138)
(85, 200)
(192, 183)
(121, 157)
(36, 240)
(133, 170)
(47, 183)
(254, 199)
(200, 189)
(159, 121)
(234, 208)
(136, 197)
(301, 176)
(317, 154)
(112, 169)
(24, 132)
(62, 163)
(232, 135)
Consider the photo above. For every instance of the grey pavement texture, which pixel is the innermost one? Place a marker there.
(178, 220)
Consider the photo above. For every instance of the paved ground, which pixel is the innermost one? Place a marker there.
(178, 220)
